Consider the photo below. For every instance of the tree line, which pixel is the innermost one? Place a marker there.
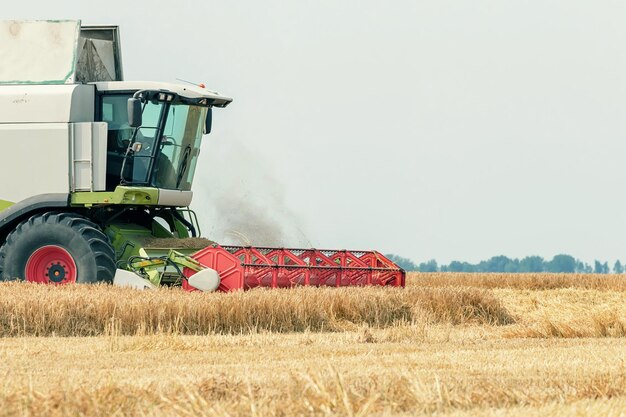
(560, 263)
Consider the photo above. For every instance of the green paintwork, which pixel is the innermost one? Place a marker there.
(14, 82)
(181, 229)
(128, 241)
(148, 266)
(175, 225)
(141, 196)
(159, 231)
(5, 204)
(178, 227)
(72, 71)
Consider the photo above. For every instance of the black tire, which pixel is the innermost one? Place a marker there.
(91, 253)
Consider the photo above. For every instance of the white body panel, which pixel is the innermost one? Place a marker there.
(174, 198)
(89, 151)
(129, 279)
(34, 160)
(53, 132)
(207, 280)
(46, 103)
(47, 132)
(43, 158)
(38, 51)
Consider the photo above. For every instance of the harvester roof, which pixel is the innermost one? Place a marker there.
(187, 91)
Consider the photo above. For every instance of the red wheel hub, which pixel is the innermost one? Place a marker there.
(51, 265)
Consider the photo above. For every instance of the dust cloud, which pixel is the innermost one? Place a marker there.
(241, 201)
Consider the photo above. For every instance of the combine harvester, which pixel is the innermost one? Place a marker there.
(97, 176)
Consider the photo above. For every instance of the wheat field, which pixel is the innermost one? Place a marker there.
(448, 344)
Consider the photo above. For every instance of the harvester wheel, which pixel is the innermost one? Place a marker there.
(57, 248)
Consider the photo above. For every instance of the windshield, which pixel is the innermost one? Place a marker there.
(180, 146)
(164, 150)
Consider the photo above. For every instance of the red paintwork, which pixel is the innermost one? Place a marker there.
(49, 260)
(243, 268)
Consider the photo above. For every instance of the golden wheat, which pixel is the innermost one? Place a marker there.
(317, 394)
(86, 310)
(486, 346)
(565, 312)
(302, 374)
(530, 281)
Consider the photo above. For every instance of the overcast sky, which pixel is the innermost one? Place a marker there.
(430, 129)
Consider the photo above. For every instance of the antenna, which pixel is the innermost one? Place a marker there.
(201, 85)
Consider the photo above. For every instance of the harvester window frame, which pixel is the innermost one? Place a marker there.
(154, 154)
(165, 107)
(161, 120)
(99, 116)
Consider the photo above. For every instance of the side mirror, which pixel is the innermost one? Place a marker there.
(134, 112)
(209, 121)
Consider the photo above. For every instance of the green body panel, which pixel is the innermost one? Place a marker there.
(5, 204)
(181, 229)
(159, 231)
(145, 196)
(172, 256)
(131, 240)
(128, 241)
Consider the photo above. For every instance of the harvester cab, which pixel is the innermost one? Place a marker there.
(99, 171)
